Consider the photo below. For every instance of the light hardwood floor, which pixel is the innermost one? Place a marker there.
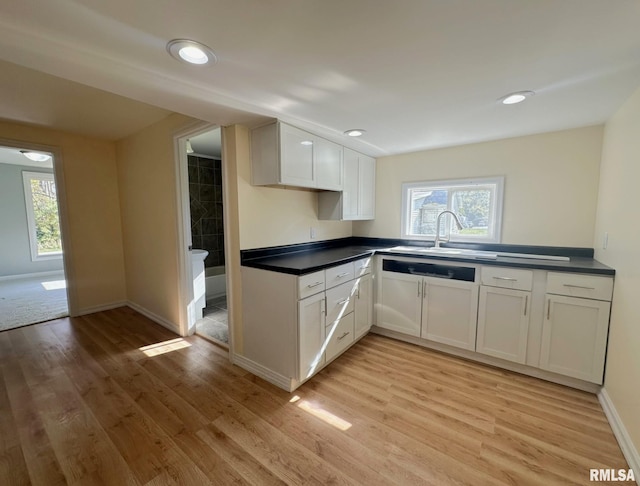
(91, 400)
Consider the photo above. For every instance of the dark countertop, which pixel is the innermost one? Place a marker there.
(307, 258)
(308, 261)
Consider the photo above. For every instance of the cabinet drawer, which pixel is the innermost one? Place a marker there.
(340, 301)
(337, 275)
(310, 284)
(340, 337)
(507, 278)
(363, 267)
(577, 285)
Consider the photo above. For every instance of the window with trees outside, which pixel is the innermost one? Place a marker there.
(476, 202)
(42, 215)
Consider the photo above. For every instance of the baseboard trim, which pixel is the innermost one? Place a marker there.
(491, 361)
(154, 317)
(620, 432)
(264, 373)
(99, 308)
(32, 275)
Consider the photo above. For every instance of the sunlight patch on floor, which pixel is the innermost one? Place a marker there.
(322, 414)
(54, 285)
(164, 347)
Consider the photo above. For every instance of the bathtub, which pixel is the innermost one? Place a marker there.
(215, 282)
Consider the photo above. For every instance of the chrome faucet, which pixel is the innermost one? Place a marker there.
(455, 218)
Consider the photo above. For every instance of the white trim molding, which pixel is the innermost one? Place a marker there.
(155, 317)
(138, 308)
(620, 432)
(263, 372)
(52, 273)
(99, 308)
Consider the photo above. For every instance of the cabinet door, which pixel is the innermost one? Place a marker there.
(400, 303)
(296, 157)
(449, 312)
(364, 305)
(367, 187)
(351, 185)
(328, 164)
(574, 337)
(311, 335)
(503, 323)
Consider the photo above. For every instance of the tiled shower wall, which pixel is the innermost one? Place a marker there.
(205, 196)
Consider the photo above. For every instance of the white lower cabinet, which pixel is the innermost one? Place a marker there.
(400, 306)
(438, 309)
(553, 321)
(574, 337)
(504, 313)
(449, 312)
(363, 312)
(311, 334)
(340, 335)
(576, 325)
(293, 326)
(503, 323)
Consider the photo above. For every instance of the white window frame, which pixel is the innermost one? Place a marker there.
(27, 177)
(496, 210)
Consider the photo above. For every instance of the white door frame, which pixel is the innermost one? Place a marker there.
(187, 309)
(61, 195)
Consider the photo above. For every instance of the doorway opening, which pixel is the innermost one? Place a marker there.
(33, 285)
(205, 166)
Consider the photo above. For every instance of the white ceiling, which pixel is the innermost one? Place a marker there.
(415, 74)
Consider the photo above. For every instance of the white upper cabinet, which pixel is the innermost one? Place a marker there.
(357, 199)
(285, 155)
(296, 157)
(349, 197)
(328, 164)
(366, 187)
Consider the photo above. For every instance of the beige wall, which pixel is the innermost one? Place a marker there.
(148, 200)
(271, 216)
(618, 203)
(93, 213)
(551, 183)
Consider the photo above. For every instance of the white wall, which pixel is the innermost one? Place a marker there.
(15, 253)
(618, 211)
(551, 184)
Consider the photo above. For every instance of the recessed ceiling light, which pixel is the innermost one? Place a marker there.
(191, 52)
(306, 142)
(35, 156)
(517, 97)
(355, 132)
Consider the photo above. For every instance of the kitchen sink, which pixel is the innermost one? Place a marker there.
(463, 253)
(445, 252)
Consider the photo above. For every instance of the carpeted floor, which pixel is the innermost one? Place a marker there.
(30, 300)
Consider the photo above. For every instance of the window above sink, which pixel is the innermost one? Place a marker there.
(476, 202)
